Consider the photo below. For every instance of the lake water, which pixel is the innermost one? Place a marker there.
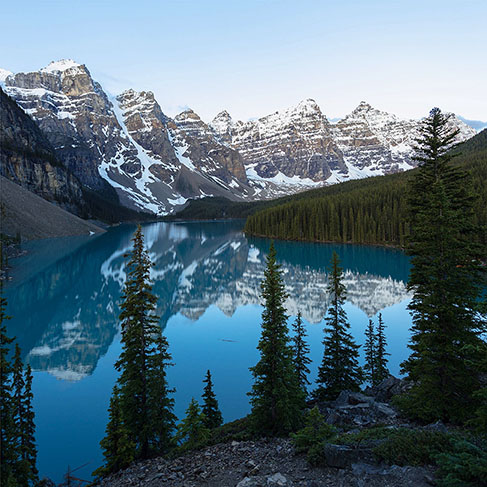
(64, 300)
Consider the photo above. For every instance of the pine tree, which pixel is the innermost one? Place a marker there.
(339, 368)
(117, 447)
(446, 280)
(192, 431)
(276, 397)
(301, 352)
(381, 371)
(213, 415)
(8, 443)
(17, 430)
(142, 402)
(370, 353)
(18, 385)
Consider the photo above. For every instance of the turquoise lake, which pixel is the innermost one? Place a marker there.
(64, 302)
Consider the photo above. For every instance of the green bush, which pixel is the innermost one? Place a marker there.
(237, 430)
(464, 466)
(413, 447)
(313, 436)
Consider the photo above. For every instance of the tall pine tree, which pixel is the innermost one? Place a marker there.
(446, 280)
(301, 352)
(8, 443)
(276, 397)
(381, 371)
(18, 452)
(142, 403)
(213, 415)
(370, 353)
(339, 369)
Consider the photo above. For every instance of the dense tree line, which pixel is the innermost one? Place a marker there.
(372, 211)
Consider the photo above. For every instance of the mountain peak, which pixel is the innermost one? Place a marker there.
(363, 105)
(223, 115)
(60, 66)
(3, 74)
(187, 114)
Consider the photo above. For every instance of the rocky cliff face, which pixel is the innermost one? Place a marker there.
(28, 159)
(285, 147)
(300, 147)
(156, 163)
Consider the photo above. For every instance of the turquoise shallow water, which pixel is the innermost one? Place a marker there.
(64, 300)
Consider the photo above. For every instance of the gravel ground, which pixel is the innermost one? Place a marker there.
(264, 463)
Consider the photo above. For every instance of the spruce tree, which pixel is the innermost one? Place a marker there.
(118, 449)
(446, 280)
(142, 402)
(18, 385)
(370, 353)
(276, 397)
(381, 371)
(339, 369)
(301, 352)
(8, 438)
(213, 415)
(192, 431)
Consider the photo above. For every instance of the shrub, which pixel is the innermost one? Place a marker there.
(313, 436)
(465, 466)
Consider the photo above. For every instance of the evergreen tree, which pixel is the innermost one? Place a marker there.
(301, 352)
(142, 403)
(370, 353)
(192, 431)
(276, 397)
(381, 371)
(446, 280)
(18, 385)
(17, 442)
(339, 368)
(8, 443)
(30, 451)
(213, 415)
(117, 447)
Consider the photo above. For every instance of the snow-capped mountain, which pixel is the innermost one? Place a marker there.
(156, 163)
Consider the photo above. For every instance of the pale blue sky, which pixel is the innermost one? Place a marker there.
(255, 57)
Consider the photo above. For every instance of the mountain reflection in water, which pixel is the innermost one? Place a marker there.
(64, 299)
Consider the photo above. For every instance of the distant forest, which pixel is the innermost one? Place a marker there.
(370, 211)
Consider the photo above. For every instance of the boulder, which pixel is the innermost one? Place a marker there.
(278, 480)
(343, 456)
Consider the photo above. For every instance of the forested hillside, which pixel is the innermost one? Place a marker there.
(372, 211)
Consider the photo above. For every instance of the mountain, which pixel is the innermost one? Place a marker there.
(475, 124)
(155, 163)
(28, 159)
(370, 211)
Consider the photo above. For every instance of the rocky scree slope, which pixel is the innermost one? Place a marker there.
(273, 462)
(156, 163)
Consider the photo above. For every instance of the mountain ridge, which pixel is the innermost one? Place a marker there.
(157, 163)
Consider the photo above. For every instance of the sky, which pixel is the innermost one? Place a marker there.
(253, 57)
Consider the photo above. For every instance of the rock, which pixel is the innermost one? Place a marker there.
(438, 427)
(348, 398)
(250, 482)
(343, 456)
(389, 387)
(277, 480)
